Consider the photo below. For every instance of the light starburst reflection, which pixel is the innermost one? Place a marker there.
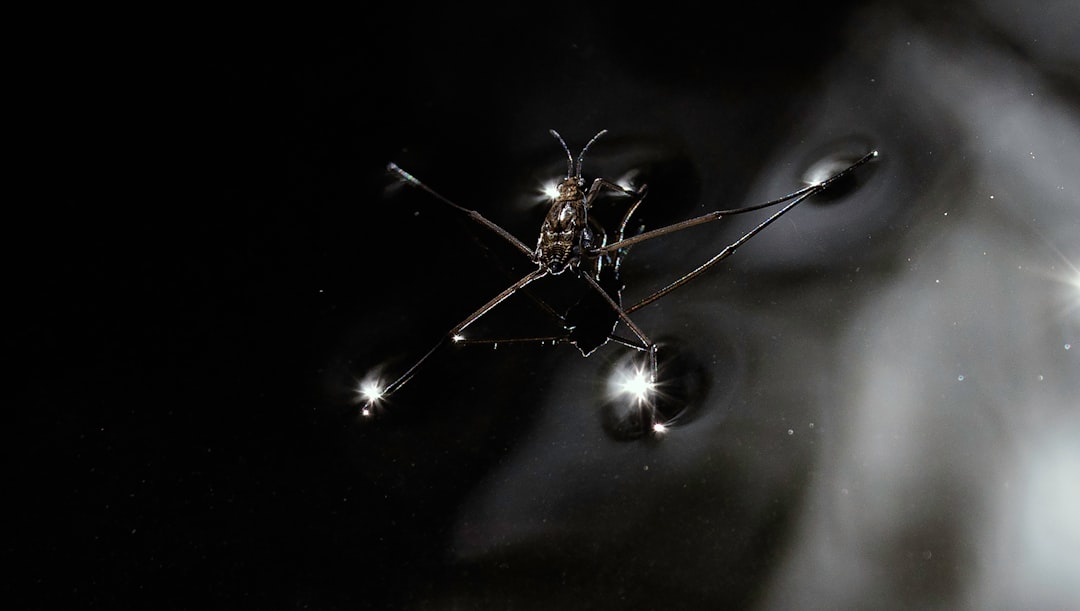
(370, 392)
(550, 190)
(1066, 274)
(633, 381)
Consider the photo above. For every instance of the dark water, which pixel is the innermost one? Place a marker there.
(885, 382)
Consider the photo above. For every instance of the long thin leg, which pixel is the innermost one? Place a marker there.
(537, 273)
(455, 334)
(626, 219)
(638, 196)
(490, 341)
(601, 183)
(719, 214)
(795, 198)
(543, 339)
(648, 414)
(473, 214)
(629, 322)
(543, 305)
(723, 254)
(622, 233)
(476, 216)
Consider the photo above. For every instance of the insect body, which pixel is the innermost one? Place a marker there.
(571, 241)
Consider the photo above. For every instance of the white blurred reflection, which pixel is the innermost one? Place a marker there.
(955, 482)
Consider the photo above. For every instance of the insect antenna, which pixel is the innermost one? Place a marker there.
(573, 167)
(581, 155)
(569, 155)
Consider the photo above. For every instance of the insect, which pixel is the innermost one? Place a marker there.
(571, 241)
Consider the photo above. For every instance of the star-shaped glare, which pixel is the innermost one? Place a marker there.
(550, 189)
(370, 392)
(633, 381)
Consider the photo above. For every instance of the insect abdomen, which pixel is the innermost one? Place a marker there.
(561, 235)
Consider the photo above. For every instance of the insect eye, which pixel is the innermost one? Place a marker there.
(633, 407)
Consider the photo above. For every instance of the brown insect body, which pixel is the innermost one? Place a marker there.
(565, 233)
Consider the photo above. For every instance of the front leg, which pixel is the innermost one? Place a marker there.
(602, 183)
(638, 195)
